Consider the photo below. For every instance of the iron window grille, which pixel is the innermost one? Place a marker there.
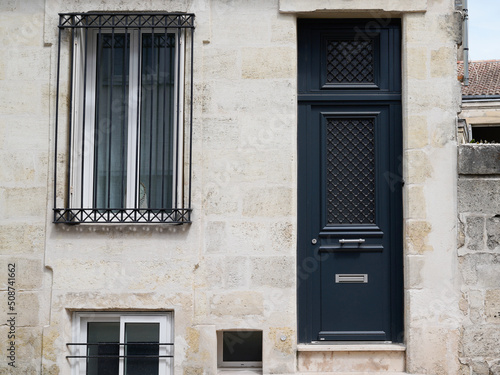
(124, 118)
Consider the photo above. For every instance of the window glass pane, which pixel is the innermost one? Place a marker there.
(108, 333)
(242, 346)
(142, 333)
(157, 118)
(112, 85)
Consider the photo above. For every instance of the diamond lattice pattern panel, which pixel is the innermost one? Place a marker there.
(349, 61)
(350, 171)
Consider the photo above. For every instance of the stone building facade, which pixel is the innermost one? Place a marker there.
(232, 265)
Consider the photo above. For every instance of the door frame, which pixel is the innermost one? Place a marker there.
(310, 92)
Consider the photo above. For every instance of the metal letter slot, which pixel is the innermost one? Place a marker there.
(351, 278)
(356, 240)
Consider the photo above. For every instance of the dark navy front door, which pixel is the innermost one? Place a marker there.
(349, 168)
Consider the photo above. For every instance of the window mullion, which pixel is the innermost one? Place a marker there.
(88, 117)
(133, 119)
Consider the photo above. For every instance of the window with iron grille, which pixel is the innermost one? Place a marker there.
(126, 149)
(121, 343)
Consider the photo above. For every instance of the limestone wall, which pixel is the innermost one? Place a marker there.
(479, 256)
(235, 265)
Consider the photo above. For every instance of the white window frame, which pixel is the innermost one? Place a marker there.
(85, 113)
(80, 320)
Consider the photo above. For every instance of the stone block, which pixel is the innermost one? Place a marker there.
(221, 63)
(481, 270)
(15, 98)
(215, 236)
(27, 351)
(492, 306)
(474, 232)
(476, 306)
(479, 159)
(268, 63)
(237, 304)
(283, 237)
(417, 232)
(417, 132)
(267, 202)
(495, 368)
(17, 203)
(419, 167)
(417, 62)
(28, 273)
(443, 61)
(480, 368)
(220, 134)
(416, 202)
(235, 272)
(248, 237)
(493, 233)
(429, 347)
(219, 201)
(24, 169)
(13, 130)
(21, 239)
(481, 341)
(413, 274)
(481, 196)
(274, 271)
(23, 30)
(239, 29)
(347, 361)
(27, 308)
(284, 30)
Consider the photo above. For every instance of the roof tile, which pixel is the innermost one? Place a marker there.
(484, 77)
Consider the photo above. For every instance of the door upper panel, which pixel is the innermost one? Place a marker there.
(343, 56)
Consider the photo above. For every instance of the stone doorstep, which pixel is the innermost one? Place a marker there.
(354, 373)
(388, 359)
(351, 348)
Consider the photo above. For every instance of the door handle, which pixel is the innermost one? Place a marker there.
(358, 240)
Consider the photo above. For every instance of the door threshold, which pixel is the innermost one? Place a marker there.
(321, 346)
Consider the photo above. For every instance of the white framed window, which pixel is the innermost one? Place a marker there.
(127, 138)
(239, 349)
(122, 343)
(124, 123)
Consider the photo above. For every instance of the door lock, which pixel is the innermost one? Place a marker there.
(314, 241)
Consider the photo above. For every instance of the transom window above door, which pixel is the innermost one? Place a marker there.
(127, 156)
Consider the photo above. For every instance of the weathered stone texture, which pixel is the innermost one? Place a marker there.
(479, 159)
(480, 196)
(237, 304)
(481, 341)
(493, 233)
(475, 232)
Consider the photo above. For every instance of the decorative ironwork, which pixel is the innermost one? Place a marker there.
(129, 216)
(126, 20)
(349, 61)
(81, 193)
(350, 171)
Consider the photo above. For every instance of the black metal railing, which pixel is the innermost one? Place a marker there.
(116, 345)
(124, 113)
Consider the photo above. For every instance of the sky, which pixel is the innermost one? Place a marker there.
(484, 29)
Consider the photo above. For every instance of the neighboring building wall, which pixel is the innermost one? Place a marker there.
(479, 244)
(235, 266)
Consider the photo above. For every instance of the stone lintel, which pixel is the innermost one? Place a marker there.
(306, 6)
